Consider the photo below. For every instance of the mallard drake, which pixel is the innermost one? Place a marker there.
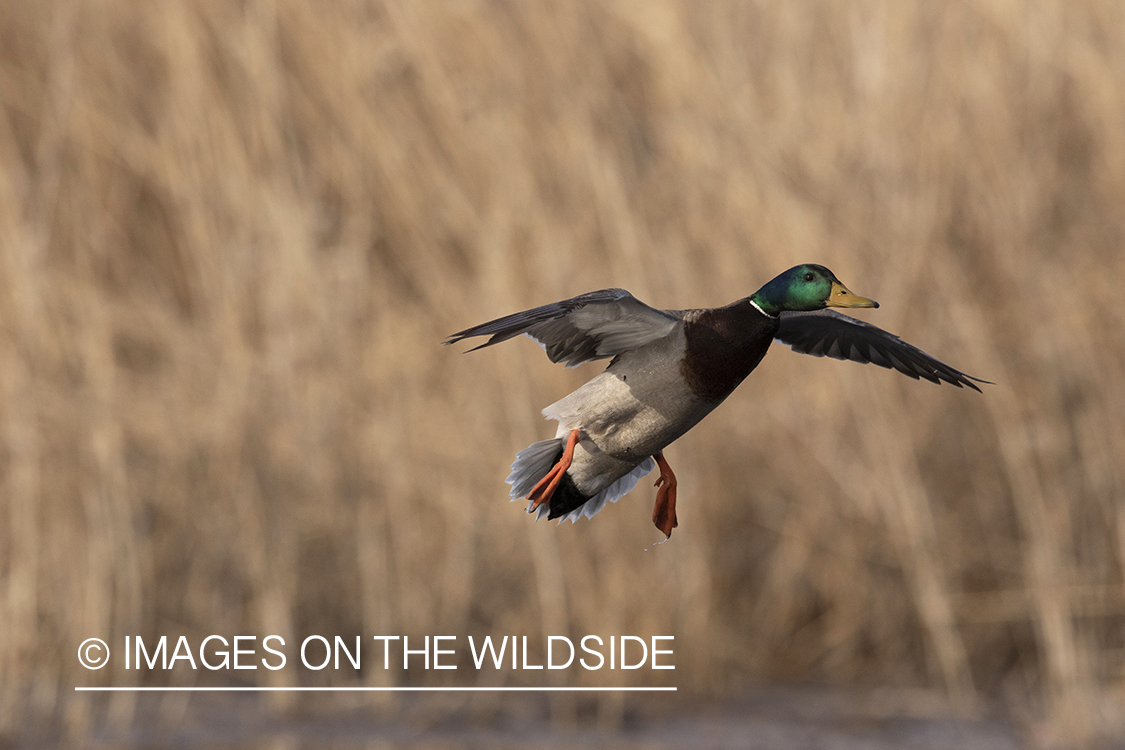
(669, 369)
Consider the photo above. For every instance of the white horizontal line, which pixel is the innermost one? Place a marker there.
(370, 689)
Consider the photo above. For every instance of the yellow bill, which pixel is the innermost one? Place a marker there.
(842, 297)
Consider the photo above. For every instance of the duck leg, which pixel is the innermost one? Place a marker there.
(545, 488)
(664, 512)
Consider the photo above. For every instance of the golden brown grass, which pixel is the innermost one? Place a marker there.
(233, 234)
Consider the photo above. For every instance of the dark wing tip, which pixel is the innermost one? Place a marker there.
(969, 382)
(459, 337)
(453, 338)
(955, 377)
(945, 374)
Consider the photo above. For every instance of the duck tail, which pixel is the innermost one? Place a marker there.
(531, 465)
(567, 502)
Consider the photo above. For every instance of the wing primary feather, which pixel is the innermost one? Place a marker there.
(596, 325)
(827, 332)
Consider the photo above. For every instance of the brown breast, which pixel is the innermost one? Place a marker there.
(724, 345)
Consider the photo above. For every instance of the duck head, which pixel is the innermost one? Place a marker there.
(806, 287)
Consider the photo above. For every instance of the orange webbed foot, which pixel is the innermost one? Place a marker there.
(545, 488)
(664, 512)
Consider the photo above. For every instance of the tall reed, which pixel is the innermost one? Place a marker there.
(232, 237)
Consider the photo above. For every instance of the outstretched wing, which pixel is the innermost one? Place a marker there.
(596, 325)
(827, 333)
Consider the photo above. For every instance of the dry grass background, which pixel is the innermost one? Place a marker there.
(233, 234)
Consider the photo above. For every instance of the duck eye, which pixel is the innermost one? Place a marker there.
(809, 276)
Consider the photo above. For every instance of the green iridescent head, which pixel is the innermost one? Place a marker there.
(806, 287)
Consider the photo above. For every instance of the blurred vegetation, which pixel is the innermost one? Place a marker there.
(233, 234)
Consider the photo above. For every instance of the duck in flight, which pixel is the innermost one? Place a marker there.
(668, 369)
